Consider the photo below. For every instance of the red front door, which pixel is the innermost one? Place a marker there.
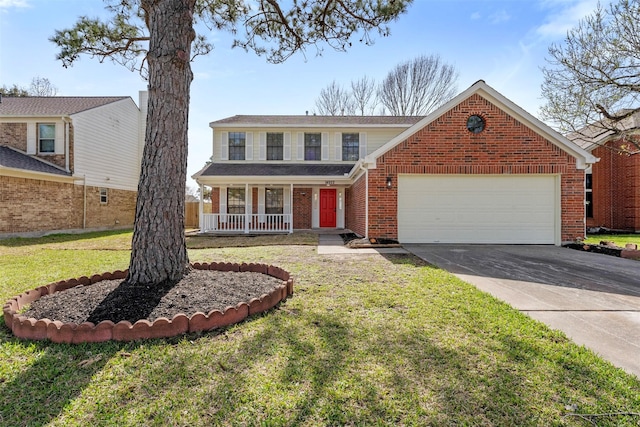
(328, 207)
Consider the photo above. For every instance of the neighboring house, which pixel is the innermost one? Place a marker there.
(477, 170)
(69, 163)
(613, 184)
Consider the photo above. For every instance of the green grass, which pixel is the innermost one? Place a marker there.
(365, 340)
(618, 239)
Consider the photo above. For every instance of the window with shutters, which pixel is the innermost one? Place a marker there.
(275, 143)
(235, 201)
(312, 146)
(237, 143)
(350, 146)
(274, 201)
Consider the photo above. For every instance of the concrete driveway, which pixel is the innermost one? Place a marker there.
(594, 299)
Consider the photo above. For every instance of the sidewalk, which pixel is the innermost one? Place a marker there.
(329, 244)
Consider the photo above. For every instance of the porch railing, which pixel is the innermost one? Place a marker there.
(247, 223)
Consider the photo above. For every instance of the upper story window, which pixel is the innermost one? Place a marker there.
(274, 201)
(235, 201)
(237, 142)
(350, 146)
(275, 143)
(312, 146)
(46, 138)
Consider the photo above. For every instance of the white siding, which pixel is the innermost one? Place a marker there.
(107, 145)
(293, 146)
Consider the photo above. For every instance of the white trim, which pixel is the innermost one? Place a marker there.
(286, 146)
(248, 146)
(300, 154)
(224, 145)
(324, 146)
(338, 146)
(263, 146)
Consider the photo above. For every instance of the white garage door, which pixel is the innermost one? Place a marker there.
(513, 209)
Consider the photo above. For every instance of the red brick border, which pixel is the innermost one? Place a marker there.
(59, 332)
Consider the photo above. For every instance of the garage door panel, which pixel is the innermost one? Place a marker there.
(476, 209)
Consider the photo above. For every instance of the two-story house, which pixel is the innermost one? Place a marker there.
(479, 169)
(69, 163)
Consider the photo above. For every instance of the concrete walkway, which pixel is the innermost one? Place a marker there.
(329, 244)
(594, 299)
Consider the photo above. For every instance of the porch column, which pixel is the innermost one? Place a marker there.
(291, 207)
(201, 209)
(247, 208)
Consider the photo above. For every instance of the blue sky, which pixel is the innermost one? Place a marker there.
(503, 42)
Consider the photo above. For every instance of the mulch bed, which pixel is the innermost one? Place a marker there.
(115, 300)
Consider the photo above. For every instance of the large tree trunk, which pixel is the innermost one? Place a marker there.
(159, 251)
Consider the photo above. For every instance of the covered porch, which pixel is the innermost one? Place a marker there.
(244, 199)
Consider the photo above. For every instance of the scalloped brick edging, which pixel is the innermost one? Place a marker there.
(59, 332)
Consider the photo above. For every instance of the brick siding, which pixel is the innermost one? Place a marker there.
(14, 135)
(445, 146)
(616, 190)
(33, 205)
(302, 208)
(355, 203)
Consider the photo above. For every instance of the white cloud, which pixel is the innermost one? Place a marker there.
(475, 16)
(565, 15)
(6, 4)
(499, 17)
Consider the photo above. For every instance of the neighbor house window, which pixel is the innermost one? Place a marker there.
(589, 195)
(312, 146)
(350, 146)
(104, 196)
(274, 146)
(236, 145)
(235, 200)
(46, 138)
(274, 201)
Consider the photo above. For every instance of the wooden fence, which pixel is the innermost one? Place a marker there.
(192, 213)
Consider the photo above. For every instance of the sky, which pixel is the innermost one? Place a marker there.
(503, 42)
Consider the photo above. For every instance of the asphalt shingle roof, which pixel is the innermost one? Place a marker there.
(11, 158)
(52, 105)
(318, 121)
(265, 169)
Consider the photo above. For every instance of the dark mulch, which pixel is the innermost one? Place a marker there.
(115, 300)
(347, 237)
(599, 249)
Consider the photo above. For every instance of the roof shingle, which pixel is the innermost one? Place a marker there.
(314, 120)
(52, 105)
(263, 169)
(11, 158)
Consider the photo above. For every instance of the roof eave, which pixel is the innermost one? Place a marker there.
(24, 173)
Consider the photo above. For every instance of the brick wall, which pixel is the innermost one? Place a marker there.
(14, 135)
(616, 190)
(446, 147)
(215, 200)
(119, 210)
(302, 208)
(356, 206)
(30, 205)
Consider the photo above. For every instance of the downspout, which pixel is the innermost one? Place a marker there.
(84, 208)
(366, 200)
(67, 160)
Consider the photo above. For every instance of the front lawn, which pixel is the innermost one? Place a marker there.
(365, 340)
